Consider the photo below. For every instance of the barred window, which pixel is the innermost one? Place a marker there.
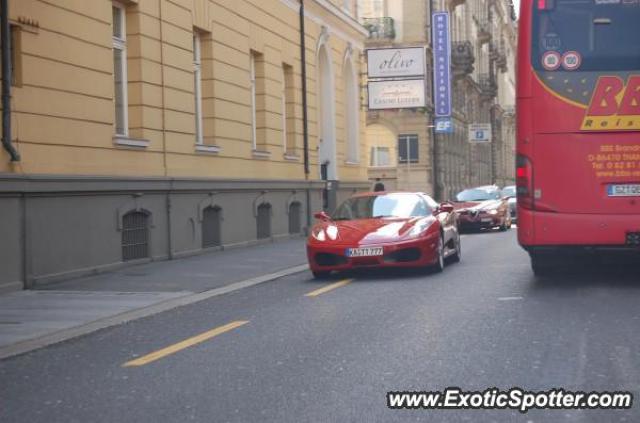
(135, 236)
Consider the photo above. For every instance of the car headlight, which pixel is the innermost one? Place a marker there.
(493, 212)
(319, 235)
(324, 234)
(419, 228)
(332, 232)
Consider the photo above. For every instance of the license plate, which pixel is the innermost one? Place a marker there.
(628, 190)
(364, 252)
(487, 220)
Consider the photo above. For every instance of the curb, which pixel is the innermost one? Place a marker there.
(23, 347)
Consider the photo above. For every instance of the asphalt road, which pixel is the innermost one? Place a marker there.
(485, 322)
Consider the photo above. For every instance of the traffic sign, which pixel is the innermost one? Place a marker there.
(479, 132)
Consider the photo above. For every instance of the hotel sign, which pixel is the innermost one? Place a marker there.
(405, 94)
(442, 64)
(396, 62)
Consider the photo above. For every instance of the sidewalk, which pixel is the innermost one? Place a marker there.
(32, 319)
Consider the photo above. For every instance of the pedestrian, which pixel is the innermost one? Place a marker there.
(378, 187)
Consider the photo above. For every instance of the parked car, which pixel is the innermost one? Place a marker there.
(509, 192)
(381, 229)
(482, 208)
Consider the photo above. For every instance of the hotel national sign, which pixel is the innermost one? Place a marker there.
(396, 94)
(396, 62)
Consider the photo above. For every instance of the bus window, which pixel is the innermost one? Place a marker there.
(604, 33)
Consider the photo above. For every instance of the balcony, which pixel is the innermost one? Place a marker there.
(462, 59)
(488, 86)
(380, 28)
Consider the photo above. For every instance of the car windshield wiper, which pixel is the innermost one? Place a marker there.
(336, 219)
(382, 216)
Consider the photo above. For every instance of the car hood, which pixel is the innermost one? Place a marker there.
(374, 231)
(477, 205)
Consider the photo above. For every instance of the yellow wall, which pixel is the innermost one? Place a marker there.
(63, 120)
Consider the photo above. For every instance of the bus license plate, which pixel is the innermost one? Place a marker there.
(364, 252)
(628, 190)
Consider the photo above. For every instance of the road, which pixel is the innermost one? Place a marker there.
(333, 355)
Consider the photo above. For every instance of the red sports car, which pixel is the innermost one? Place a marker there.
(384, 230)
(482, 208)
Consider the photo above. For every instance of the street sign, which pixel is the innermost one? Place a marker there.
(479, 132)
(442, 64)
(444, 125)
(405, 94)
(395, 62)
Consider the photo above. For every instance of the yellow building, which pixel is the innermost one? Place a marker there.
(152, 129)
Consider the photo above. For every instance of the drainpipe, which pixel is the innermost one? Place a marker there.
(5, 46)
(305, 120)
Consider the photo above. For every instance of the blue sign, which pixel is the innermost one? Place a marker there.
(444, 125)
(441, 64)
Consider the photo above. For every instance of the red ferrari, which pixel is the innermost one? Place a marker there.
(384, 230)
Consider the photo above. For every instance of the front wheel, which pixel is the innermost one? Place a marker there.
(457, 256)
(439, 264)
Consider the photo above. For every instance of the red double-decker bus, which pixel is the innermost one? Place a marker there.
(578, 140)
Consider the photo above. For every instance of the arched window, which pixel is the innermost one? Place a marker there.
(135, 235)
(211, 227)
(351, 104)
(264, 221)
(326, 111)
(295, 221)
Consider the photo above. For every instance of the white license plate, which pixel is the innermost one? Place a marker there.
(487, 220)
(628, 190)
(364, 252)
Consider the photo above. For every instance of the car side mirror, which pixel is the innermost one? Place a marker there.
(322, 215)
(446, 208)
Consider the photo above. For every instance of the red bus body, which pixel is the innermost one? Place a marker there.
(578, 127)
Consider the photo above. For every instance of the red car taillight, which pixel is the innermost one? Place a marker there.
(524, 182)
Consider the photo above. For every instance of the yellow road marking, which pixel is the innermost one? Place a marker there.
(157, 355)
(329, 288)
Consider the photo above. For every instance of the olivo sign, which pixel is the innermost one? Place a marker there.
(395, 62)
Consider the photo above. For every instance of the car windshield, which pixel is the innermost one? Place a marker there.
(388, 205)
(509, 191)
(478, 194)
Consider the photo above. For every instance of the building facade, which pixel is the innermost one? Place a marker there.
(402, 150)
(156, 129)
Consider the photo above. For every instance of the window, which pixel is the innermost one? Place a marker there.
(351, 104)
(288, 105)
(120, 70)
(135, 236)
(252, 77)
(380, 156)
(408, 149)
(197, 83)
(605, 33)
(256, 74)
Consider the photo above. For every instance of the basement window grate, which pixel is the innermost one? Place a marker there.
(211, 227)
(295, 225)
(264, 221)
(135, 236)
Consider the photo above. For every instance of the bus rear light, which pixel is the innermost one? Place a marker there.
(524, 182)
(545, 4)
